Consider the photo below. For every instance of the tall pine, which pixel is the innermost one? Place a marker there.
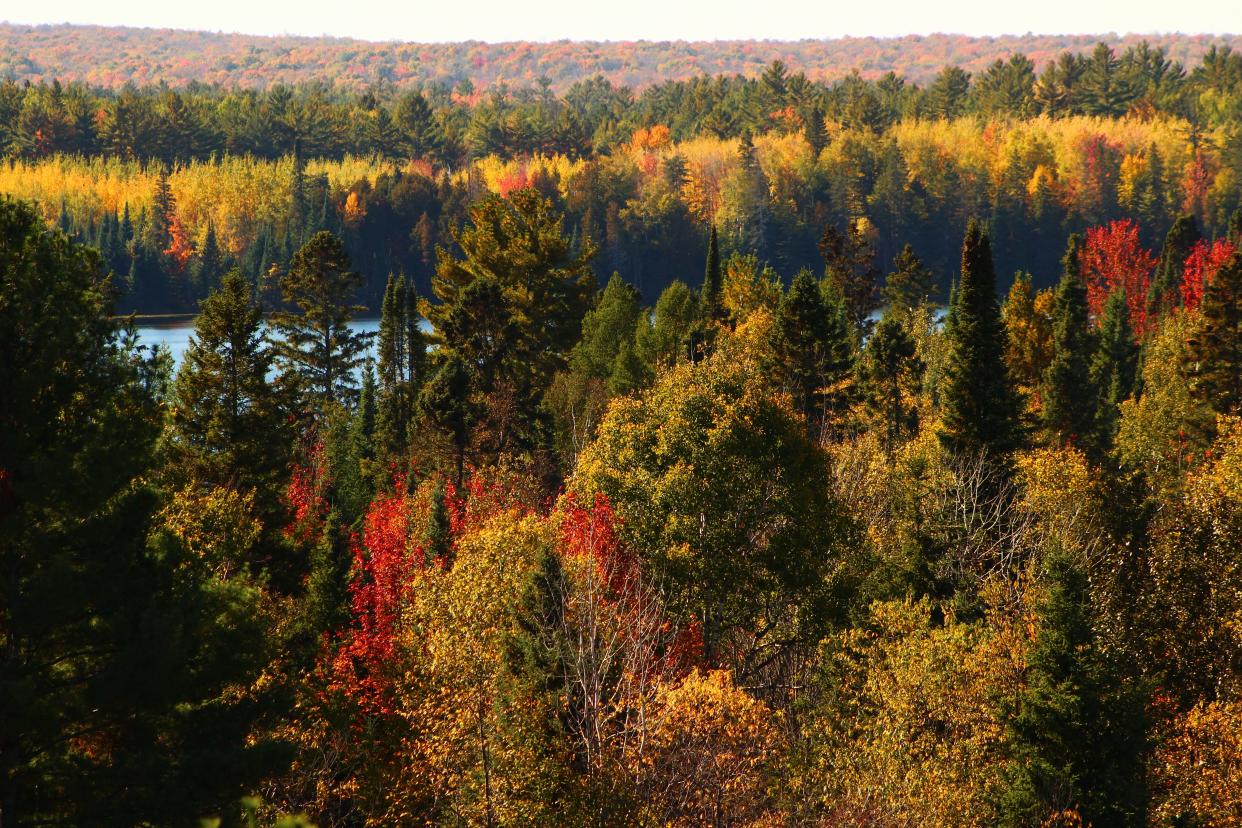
(982, 412)
(1114, 365)
(1215, 350)
(1069, 398)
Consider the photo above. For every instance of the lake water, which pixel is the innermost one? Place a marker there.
(175, 336)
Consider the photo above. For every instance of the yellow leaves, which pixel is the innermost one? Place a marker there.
(1198, 771)
(1058, 488)
(218, 525)
(355, 209)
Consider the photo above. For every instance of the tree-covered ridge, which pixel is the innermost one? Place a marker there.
(114, 56)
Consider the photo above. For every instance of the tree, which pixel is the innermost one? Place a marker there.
(1075, 738)
(910, 285)
(1113, 365)
(849, 258)
(446, 401)
(1214, 352)
(662, 342)
(947, 95)
(981, 407)
(316, 347)
(814, 350)
(893, 370)
(1069, 398)
(1111, 259)
(606, 329)
(713, 282)
(229, 426)
(722, 494)
(546, 285)
(1178, 243)
(119, 648)
(402, 366)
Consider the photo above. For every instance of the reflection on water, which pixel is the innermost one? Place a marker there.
(175, 336)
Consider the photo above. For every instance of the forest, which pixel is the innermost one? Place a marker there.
(740, 451)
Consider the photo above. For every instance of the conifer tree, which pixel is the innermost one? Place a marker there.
(815, 352)
(229, 425)
(605, 328)
(981, 407)
(710, 299)
(1165, 290)
(446, 400)
(892, 368)
(1215, 351)
(910, 285)
(1074, 733)
(402, 366)
(1069, 399)
(1114, 365)
(316, 346)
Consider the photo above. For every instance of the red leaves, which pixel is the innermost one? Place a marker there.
(1201, 267)
(1112, 258)
(591, 533)
(305, 497)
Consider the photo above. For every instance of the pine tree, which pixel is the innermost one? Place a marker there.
(1075, 731)
(910, 285)
(1165, 290)
(1069, 398)
(710, 298)
(208, 263)
(605, 328)
(316, 347)
(892, 369)
(1215, 351)
(402, 366)
(814, 349)
(1114, 365)
(446, 400)
(229, 426)
(981, 407)
(118, 648)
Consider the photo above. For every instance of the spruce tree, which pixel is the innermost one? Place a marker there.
(910, 285)
(229, 425)
(1075, 732)
(710, 297)
(402, 366)
(605, 329)
(1114, 366)
(814, 349)
(316, 346)
(446, 400)
(1165, 290)
(1214, 352)
(892, 368)
(982, 413)
(1069, 398)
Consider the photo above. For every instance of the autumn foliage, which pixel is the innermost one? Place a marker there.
(1114, 259)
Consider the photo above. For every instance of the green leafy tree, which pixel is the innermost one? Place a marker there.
(316, 346)
(981, 407)
(663, 341)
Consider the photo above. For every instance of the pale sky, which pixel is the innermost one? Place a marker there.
(502, 20)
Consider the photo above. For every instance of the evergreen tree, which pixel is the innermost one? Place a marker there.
(1113, 366)
(814, 349)
(849, 260)
(446, 400)
(663, 342)
(229, 426)
(710, 298)
(402, 366)
(325, 607)
(1069, 398)
(316, 347)
(892, 369)
(981, 407)
(1075, 736)
(605, 328)
(1214, 353)
(910, 285)
(1165, 290)
(119, 650)
(208, 263)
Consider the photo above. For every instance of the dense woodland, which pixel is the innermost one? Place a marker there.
(737, 453)
(176, 187)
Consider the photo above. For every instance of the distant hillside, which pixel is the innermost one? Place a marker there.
(113, 56)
